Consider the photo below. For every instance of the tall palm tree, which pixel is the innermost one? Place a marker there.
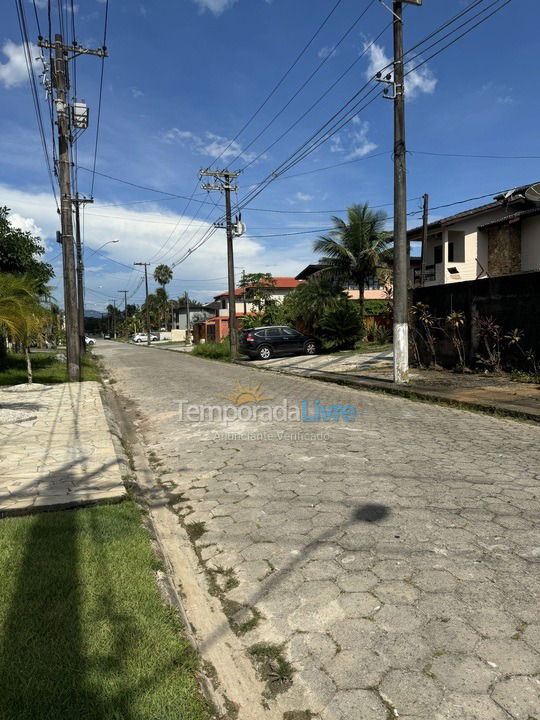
(163, 275)
(356, 249)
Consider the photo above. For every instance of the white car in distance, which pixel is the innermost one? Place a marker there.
(142, 337)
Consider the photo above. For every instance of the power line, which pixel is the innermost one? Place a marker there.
(21, 17)
(304, 84)
(104, 45)
(295, 157)
(280, 81)
(484, 157)
(318, 100)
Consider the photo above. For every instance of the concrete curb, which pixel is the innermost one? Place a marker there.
(411, 393)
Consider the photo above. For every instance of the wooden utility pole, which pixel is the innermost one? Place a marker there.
(61, 83)
(224, 185)
(145, 264)
(401, 254)
(77, 201)
(188, 321)
(65, 121)
(425, 218)
(125, 310)
(114, 318)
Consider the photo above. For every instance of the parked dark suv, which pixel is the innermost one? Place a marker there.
(263, 342)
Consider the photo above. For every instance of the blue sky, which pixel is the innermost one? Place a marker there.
(184, 76)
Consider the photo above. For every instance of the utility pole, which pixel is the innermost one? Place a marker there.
(77, 201)
(188, 321)
(401, 255)
(114, 318)
(145, 264)
(425, 217)
(224, 185)
(69, 117)
(125, 310)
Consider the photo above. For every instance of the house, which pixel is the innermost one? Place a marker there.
(216, 328)
(374, 288)
(197, 313)
(499, 238)
(281, 288)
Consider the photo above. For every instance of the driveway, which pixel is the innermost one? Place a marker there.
(349, 362)
(392, 560)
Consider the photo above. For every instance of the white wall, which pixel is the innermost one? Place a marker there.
(530, 243)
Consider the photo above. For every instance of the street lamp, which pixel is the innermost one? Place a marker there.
(102, 246)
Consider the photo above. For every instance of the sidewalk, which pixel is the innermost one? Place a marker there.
(495, 394)
(62, 455)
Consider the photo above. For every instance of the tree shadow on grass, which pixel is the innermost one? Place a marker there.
(74, 641)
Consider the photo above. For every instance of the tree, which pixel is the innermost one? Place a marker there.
(311, 301)
(163, 275)
(20, 252)
(342, 326)
(354, 250)
(22, 317)
(258, 288)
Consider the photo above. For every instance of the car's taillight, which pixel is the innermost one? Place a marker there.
(249, 337)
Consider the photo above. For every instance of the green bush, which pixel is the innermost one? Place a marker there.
(342, 326)
(376, 307)
(213, 350)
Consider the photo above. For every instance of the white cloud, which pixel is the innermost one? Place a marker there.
(353, 141)
(302, 197)
(136, 93)
(416, 82)
(208, 144)
(358, 139)
(14, 72)
(215, 6)
(327, 51)
(336, 144)
(142, 234)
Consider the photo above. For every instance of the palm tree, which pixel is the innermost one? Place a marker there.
(312, 300)
(163, 275)
(356, 249)
(22, 317)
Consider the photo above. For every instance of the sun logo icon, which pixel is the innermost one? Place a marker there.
(244, 395)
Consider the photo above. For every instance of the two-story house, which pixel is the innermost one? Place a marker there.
(499, 238)
(374, 288)
(217, 327)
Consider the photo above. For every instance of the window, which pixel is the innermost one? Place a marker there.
(456, 246)
(437, 254)
(372, 283)
(291, 332)
(273, 333)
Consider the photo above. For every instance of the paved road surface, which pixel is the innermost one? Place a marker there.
(396, 559)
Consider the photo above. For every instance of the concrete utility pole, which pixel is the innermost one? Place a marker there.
(65, 121)
(425, 217)
(145, 264)
(224, 185)
(77, 201)
(125, 310)
(401, 255)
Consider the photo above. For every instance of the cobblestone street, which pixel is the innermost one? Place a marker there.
(394, 560)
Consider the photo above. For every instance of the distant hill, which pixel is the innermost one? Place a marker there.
(92, 314)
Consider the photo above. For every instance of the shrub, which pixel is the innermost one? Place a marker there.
(342, 327)
(213, 350)
(376, 307)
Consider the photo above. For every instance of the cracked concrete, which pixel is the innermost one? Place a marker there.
(395, 561)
